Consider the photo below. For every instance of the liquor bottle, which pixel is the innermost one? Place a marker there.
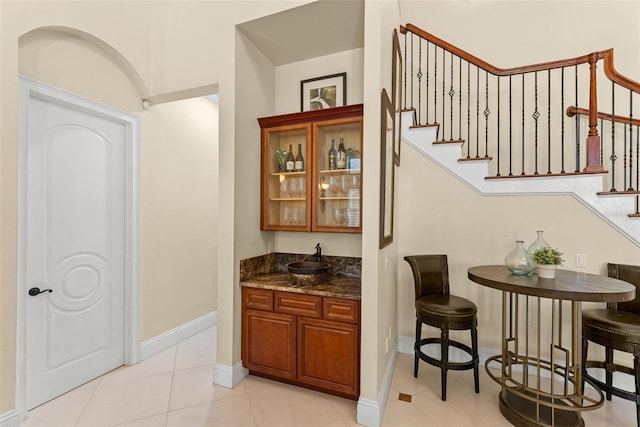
(333, 154)
(299, 166)
(290, 162)
(341, 160)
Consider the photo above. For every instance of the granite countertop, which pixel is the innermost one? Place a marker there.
(338, 285)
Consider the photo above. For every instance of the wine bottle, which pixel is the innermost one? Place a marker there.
(299, 166)
(341, 160)
(290, 161)
(332, 155)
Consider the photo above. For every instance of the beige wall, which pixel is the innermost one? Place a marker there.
(287, 98)
(439, 214)
(178, 176)
(162, 47)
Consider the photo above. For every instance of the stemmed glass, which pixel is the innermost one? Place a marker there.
(284, 188)
(294, 188)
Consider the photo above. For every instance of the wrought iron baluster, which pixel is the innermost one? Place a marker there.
(468, 110)
(536, 116)
(477, 112)
(613, 157)
(510, 128)
(577, 125)
(562, 170)
(486, 114)
(444, 64)
(460, 98)
(435, 84)
(637, 157)
(523, 147)
(452, 92)
(549, 122)
(426, 89)
(412, 104)
(624, 158)
(419, 76)
(498, 126)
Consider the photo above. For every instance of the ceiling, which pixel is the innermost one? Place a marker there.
(316, 29)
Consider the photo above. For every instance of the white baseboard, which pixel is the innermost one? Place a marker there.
(370, 412)
(229, 376)
(170, 338)
(10, 419)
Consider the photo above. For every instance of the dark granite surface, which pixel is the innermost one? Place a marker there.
(270, 272)
(338, 286)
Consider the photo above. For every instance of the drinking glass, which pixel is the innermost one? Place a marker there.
(337, 215)
(302, 186)
(286, 215)
(334, 186)
(284, 188)
(294, 188)
(344, 185)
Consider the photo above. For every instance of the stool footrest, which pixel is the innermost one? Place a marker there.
(457, 366)
(619, 392)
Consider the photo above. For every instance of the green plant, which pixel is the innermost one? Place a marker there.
(281, 155)
(547, 256)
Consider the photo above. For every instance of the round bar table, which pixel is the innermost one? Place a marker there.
(532, 347)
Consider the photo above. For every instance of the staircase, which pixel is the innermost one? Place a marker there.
(584, 187)
(522, 130)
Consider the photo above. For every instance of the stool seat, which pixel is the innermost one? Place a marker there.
(617, 328)
(447, 308)
(436, 307)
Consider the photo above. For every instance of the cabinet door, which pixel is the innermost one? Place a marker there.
(269, 343)
(328, 356)
(286, 204)
(337, 175)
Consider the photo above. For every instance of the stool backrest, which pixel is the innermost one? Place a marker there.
(631, 274)
(430, 274)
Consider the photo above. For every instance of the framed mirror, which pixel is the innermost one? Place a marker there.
(387, 166)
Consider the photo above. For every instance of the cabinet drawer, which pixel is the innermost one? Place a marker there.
(298, 304)
(260, 299)
(341, 310)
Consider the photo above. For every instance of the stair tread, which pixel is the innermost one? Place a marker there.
(477, 158)
(617, 193)
(544, 174)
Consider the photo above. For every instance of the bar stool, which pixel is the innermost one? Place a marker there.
(616, 327)
(436, 307)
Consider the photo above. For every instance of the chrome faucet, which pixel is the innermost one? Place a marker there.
(318, 254)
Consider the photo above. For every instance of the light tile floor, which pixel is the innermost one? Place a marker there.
(174, 388)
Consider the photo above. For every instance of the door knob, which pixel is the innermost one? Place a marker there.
(36, 291)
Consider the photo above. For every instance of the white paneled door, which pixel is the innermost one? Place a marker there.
(75, 247)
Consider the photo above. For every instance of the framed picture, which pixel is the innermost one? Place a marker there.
(396, 96)
(323, 92)
(387, 167)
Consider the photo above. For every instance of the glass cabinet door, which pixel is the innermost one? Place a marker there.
(337, 175)
(286, 178)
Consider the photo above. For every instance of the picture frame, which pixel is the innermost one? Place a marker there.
(323, 92)
(396, 96)
(387, 169)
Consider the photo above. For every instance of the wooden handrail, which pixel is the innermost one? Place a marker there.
(514, 70)
(573, 110)
(616, 77)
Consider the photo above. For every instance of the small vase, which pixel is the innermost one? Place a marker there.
(519, 261)
(546, 271)
(538, 243)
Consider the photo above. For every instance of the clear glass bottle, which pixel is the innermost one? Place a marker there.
(519, 261)
(538, 243)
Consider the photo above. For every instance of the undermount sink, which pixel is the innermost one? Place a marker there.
(308, 272)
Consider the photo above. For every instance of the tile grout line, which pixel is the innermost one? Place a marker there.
(173, 373)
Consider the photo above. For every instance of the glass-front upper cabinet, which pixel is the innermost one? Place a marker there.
(311, 171)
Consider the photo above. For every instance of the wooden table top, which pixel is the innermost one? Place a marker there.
(568, 285)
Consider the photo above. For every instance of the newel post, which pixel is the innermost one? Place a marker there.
(594, 162)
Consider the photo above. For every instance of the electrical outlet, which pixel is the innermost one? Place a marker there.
(581, 260)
